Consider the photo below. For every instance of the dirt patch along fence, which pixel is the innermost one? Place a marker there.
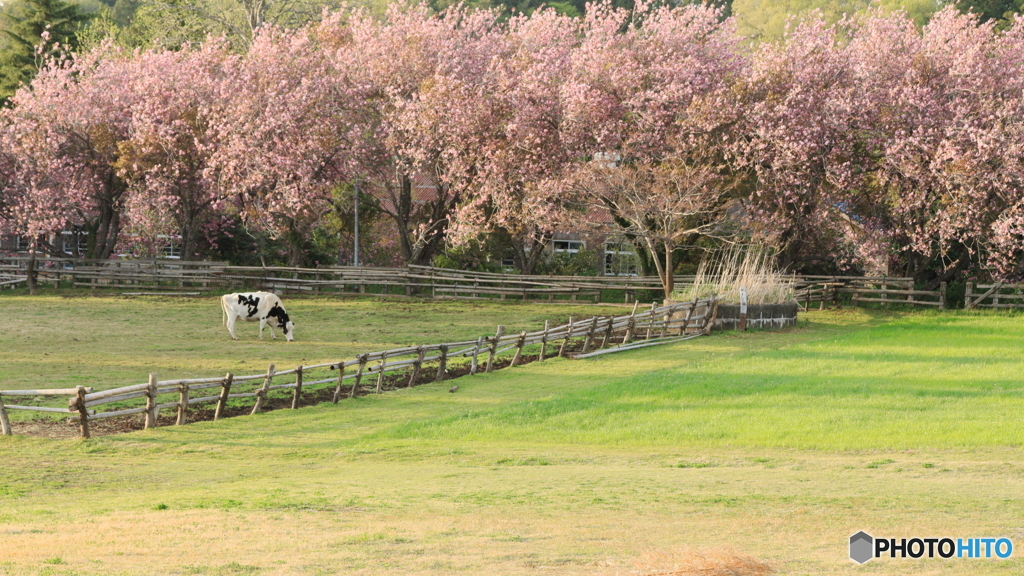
(373, 372)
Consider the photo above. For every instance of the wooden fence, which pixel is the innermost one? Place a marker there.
(442, 283)
(410, 365)
(882, 289)
(998, 295)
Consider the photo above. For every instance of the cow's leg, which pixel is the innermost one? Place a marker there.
(272, 335)
(231, 325)
(263, 322)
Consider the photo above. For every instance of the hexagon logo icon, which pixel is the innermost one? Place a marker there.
(861, 547)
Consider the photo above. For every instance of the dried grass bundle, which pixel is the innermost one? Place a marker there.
(745, 266)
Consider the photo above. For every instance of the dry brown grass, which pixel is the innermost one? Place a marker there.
(222, 543)
(690, 562)
(748, 267)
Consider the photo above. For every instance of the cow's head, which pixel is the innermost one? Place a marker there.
(283, 322)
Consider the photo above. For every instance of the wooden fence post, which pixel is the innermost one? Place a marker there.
(967, 296)
(590, 335)
(261, 394)
(151, 410)
(297, 393)
(608, 332)
(359, 375)
(182, 404)
(416, 367)
(650, 324)
(942, 295)
(225, 389)
(994, 289)
(5, 423)
(565, 343)
(442, 365)
(709, 318)
(494, 347)
(476, 352)
(544, 340)
(689, 314)
(380, 373)
(743, 308)
(83, 412)
(519, 347)
(631, 324)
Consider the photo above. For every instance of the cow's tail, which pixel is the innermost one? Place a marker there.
(224, 310)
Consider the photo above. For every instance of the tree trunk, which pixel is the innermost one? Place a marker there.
(403, 208)
(407, 216)
(293, 238)
(527, 261)
(90, 238)
(188, 242)
(668, 281)
(98, 234)
(105, 233)
(30, 266)
(112, 233)
(110, 217)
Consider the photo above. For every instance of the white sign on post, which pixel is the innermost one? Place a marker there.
(743, 300)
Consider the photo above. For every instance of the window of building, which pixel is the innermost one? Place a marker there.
(620, 258)
(74, 242)
(567, 246)
(172, 247)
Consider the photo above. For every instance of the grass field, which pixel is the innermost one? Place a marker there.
(108, 341)
(776, 446)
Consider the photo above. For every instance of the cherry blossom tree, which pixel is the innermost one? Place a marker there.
(419, 76)
(29, 206)
(947, 116)
(662, 205)
(516, 152)
(166, 158)
(888, 150)
(65, 127)
(651, 104)
(794, 137)
(284, 129)
(869, 144)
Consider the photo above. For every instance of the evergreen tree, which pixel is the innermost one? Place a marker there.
(23, 24)
(1004, 10)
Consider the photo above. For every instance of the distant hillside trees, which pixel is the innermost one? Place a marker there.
(31, 31)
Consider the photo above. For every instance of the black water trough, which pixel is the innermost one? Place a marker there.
(759, 317)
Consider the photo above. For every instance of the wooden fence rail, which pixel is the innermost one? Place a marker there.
(441, 283)
(647, 327)
(881, 289)
(998, 295)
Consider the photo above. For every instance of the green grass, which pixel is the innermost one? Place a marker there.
(925, 381)
(59, 341)
(778, 445)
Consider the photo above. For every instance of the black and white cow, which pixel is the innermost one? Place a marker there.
(263, 306)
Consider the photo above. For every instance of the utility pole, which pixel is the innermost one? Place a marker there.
(355, 258)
